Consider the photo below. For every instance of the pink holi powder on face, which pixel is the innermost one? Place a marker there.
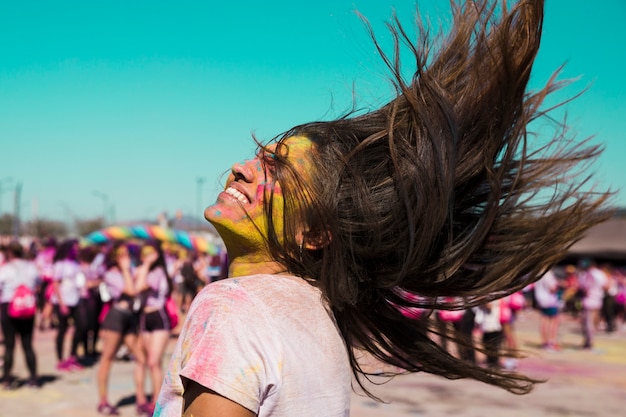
(260, 190)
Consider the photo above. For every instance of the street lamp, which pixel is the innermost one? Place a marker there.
(105, 200)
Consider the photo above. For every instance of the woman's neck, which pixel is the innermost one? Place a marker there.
(243, 266)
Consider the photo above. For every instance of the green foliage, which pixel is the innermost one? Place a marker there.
(6, 224)
(85, 227)
(45, 228)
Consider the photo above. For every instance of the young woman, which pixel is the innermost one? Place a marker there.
(439, 193)
(154, 286)
(120, 323)
(67, 286)
(90, 304)
(45, 261)
(17, 271)
(547, 298)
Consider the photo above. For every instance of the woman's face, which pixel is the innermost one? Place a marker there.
(239, 212)
(148, 252)
(121, 252)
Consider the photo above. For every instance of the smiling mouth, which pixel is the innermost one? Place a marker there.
(238, 195)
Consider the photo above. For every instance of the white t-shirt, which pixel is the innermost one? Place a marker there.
(15, 273)
(266, 342)
(488, 320)
(67, 274)
(546, 291)
(593, 281)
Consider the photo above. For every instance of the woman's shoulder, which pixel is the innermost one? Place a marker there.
(67, 265)
(112, 273)
(260, 285)
(6, 270)
(158, 272)
(28, 265)
(231, 287)
(270, 296)
(247, 287)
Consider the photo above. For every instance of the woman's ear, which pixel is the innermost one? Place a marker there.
(312, 240)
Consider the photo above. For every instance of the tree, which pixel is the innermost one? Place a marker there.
(45, 227)
(87, 226)
(6, 224)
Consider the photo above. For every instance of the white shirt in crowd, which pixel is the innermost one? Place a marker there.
(546, 291)
(71, 280)
(15, 273)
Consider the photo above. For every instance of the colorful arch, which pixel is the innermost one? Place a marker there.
(179, 237)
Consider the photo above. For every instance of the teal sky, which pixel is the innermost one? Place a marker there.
(136, 100)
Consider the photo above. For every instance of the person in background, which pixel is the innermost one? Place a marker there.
(547, 298)
(620, 298)
(593, 283)
(488, 319)
(465, 330)
(14, 272)
(191, 281)
(571, 294)
(119, 324)
(330, 225)
(510, 306)
(44, 261)
(90, 304)
(67, 284)
(609, 307)
(154, 286)
(448, 323)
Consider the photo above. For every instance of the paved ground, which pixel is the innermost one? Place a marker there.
(580, 383)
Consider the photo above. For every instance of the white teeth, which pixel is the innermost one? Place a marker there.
(239, 196)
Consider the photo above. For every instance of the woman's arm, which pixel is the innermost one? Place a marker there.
(141, 281)
(56, 287)
(129, 283)
(199, 401)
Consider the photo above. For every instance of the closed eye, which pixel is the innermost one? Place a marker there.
(267, 158)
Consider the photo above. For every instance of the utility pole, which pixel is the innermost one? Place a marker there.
(105, 203)
(16, 209)
(199, 182)
(8, 180)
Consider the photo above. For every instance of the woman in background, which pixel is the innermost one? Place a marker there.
(120, 323)
(154, 286)
(90, 304)
(14, 272)
(44, 261)
(68, 284)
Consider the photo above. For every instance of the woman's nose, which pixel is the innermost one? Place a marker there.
(243, 170)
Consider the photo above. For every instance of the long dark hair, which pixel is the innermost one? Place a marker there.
(442, 192)
(67, 250)
(110, 259)
(160, 262)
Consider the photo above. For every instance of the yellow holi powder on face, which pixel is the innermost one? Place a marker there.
(239, 212)
(147, 250)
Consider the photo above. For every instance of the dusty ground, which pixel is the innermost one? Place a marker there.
(580, 383)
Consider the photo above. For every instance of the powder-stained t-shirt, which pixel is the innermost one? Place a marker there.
(546, 291)
(266, 342)
(66, 273)
(158, 289)
(15, 273)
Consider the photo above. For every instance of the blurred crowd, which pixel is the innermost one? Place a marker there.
(122, 299)
(593, 294)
